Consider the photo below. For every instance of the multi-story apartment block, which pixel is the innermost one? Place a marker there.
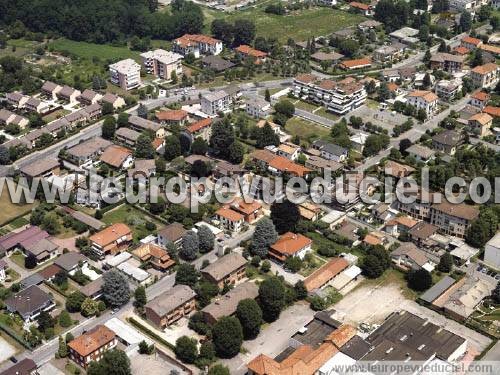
(215, 102)
(91, 346)
(485, 76)
(480, 124)
(453, 219)
(422, 99)
(339, 97)
(162, 63)
(418, 208)
(126, 74)
(447, 61)
(447, 90)
(197, 45)
(171, 306)
(230, 269)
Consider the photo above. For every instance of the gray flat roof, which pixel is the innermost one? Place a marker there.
(439, 288)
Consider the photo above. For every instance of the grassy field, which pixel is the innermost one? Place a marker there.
(134, 218)
(90, 50)
(306, 130)
(299, 25)
(10, 210)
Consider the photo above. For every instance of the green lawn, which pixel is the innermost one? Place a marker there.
(134, 218)
(299, 25)
(306, 130)
(90, 50)
(11, 210)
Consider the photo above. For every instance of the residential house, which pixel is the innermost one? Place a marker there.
(251, 211)
(16, 99)
(172, 233)
(214, 102)
(409, 257)
(290, 245)
(326, 273)
(29, 303)
(170, 306)
(19, 240)
(89, 97)
(42, 250)
(447, 62)
(127, 136)
(421, 234)
(135, 274)
(257, 107)
(448, 89)
(115, 100)
(319, 164)
(50, 89)
(280, 165)
(369, 25)
(365, 9)
(43, 168)
(71, 262)
(390, 53)
(161, 63)
(56, 126)
(421, 99)
(94, 111)
(480, 124)
(437, 290)
(420, 207)
(447, 142)
(117, 157)
(197, 45)
(140, 124)
(309, 211)
(289, 150)
(398, 170)
(453, 219)
(226, 305)
(111, 240)
(405, 35)
(464, 300)
(25, 366)
(245, 51)
(7, 117)
(155, 255)
(68, 94)
(36, 105)
(229, 219)
(460, 51)
(77, 118)
(328, 57)
(216, 63)
(330, 151)
(142, 168)
(201, 128)
(339, 97)
(421, 153)
(470, 43)
(227, 270)
(356, 64)
(126, 74)
(91, 346)
(87, 150)
(485, 76)
(479, 99)
(172, 117)
(399, 225)
(93, 290)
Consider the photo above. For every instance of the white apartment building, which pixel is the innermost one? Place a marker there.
(422, 99)
(339, 97)
(197, 44)
(161, 63)
(257, 107)
(125, 74)
(447, 89)
(215, 102)
(485, 76)
(492, 251)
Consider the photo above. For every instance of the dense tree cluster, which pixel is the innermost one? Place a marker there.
(103, 21)
(241, 31)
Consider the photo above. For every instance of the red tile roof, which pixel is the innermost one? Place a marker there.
(471, 40)
(173, 115)
(249, 51)
(197, 126)
(325, 273)
(492, 111)
(229, 214)
(481, 95)
(290, 243)
(361, 6)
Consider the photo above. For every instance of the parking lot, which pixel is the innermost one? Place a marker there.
(384, 118)
(371, 304)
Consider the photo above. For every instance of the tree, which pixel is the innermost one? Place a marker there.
(285, 107)
(465, 23)
(285, 216)
(89, 307)
(45, 321)
(427, 56)
(249, 314)
(186, 349)
(300, 290)
(227, 336)
(109, 127)
(427, 82)
(186, 275)
(113, 362)
(272, 298)
(496, 293)
(236, 152)
(190, 246)
(140, 297)
(375, 143)
(199, 146)
(50, 223)
(318, 303)
(122, 119)
(142, 111)
(477, 58)
(172, 147)
(4, 155)
(115, 289)
(267, 137)
(206, 239)
(222, 138)
(243, 32)
(143, 147)
(267, 96)
(445, 263)
(65, 319)
(30, 261)
(218, 369)
(144, 348)
(62, 351)
(264, 236)
(482, 229)
(200, 169)
(74, 301)
(293, 264)
(419, 280)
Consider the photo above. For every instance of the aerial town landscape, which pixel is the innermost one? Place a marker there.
(382, 96)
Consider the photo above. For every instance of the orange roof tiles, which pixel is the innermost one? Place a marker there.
(428, 96)
(157, 142)
(306, 78)
(461, 50)
(491, 49)
(371, 239)
(392, 86)
(485, 69)
(492, 111)
(115, 155)
(350, 64)
(471, 40)
(325, 273)
(290, 243)
(482, 118)
(93, 340)
(197, 126)
(110, 234)
(172, 115)
(358, 5)
(244, 207)
(283, 164)
(229, 214)
(481, 95)
(405, 221)
(342, 335)
(188, 39)
(249, 51)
